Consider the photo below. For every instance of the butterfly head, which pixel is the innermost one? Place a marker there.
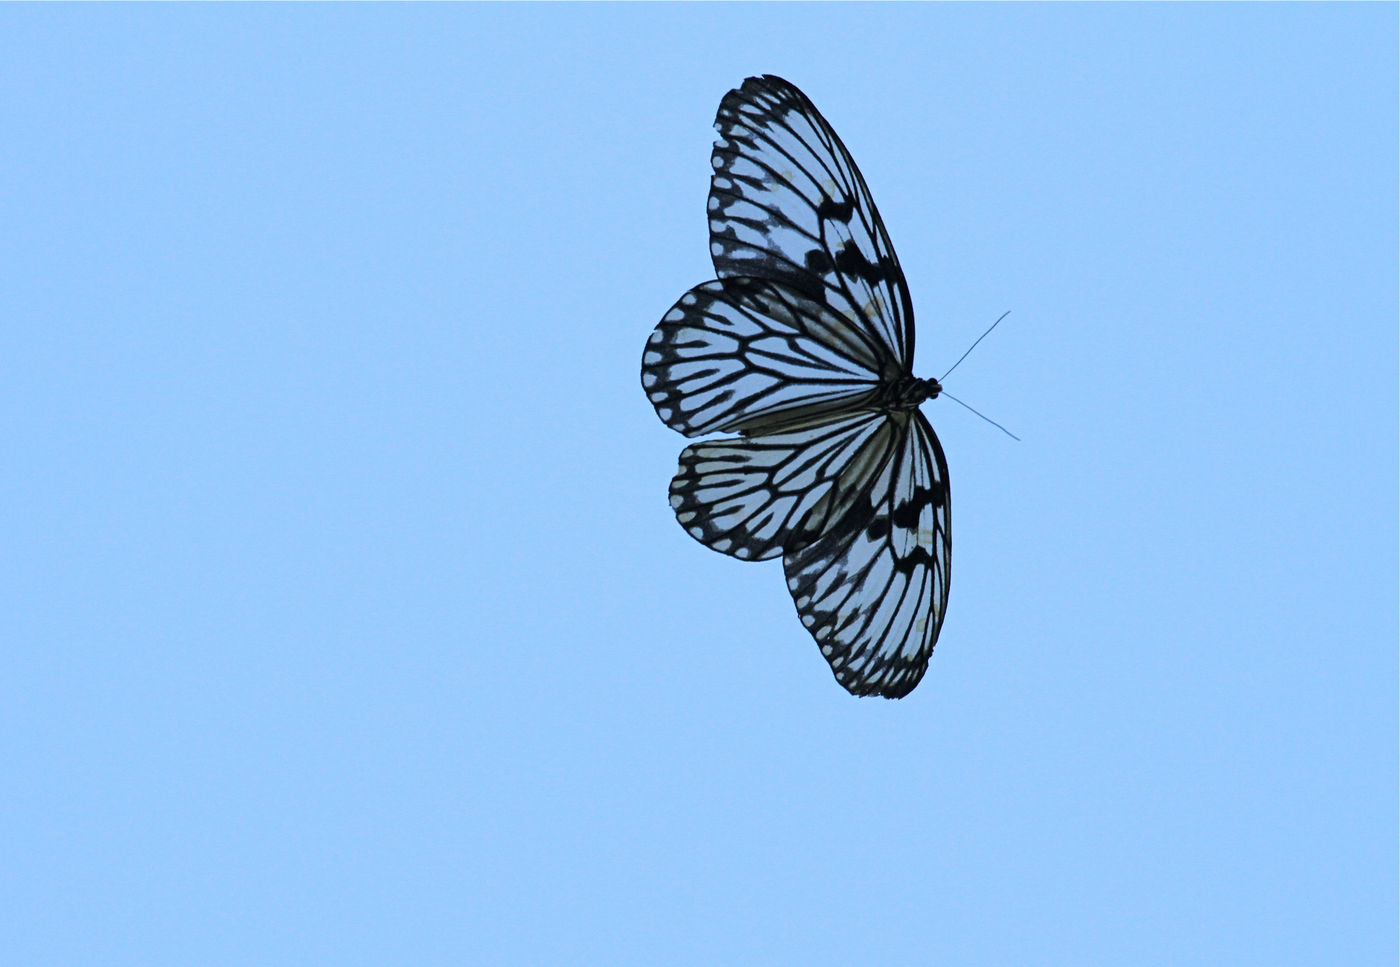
(907, 392)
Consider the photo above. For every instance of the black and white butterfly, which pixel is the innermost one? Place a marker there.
(803, 347)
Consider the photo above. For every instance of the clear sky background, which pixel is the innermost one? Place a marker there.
(344, 617)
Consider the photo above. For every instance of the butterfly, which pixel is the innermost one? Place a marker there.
(803, 348)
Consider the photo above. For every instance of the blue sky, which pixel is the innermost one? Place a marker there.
(345, 617)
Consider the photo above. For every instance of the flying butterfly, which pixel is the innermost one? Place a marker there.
(803, 347)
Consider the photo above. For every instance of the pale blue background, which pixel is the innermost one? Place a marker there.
(345, 620)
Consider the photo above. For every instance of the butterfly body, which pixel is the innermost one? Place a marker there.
(802, 349)
(909, 392)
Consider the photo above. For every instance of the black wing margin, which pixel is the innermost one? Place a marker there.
(873, 589)
(788, 203)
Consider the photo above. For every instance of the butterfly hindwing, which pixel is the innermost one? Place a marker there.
(788, 203)
(873, 589)
(753, 497)
(748, 355)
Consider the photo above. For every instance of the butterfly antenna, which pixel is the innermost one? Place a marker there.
(970, 349)
(987, 418)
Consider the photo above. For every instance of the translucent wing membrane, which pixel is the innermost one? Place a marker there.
(872, 590)
(748, 355)
(754, 497)
(788, 203)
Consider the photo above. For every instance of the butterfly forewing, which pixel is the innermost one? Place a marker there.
(872, 590)
(788, 203)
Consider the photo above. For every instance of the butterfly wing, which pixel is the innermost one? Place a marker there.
(788, 203)
(873, 588)
(753, 356)
(754, 497)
